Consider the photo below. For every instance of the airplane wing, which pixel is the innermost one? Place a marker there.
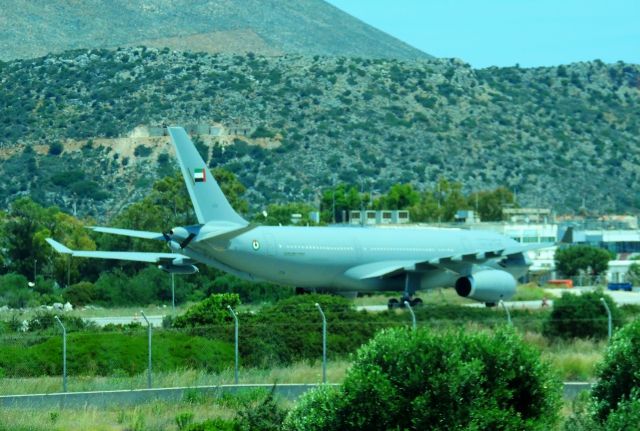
(121, 255)
(458, 263)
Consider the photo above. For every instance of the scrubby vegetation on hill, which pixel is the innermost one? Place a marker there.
(554, 135)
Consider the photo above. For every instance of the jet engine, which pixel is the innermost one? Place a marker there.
(490, 286)
(178, 269)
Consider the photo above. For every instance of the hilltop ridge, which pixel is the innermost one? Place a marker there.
(268, 27)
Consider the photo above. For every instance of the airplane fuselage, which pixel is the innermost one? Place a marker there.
(338, 258)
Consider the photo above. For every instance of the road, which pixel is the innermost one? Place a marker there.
(619, 297)
(125, 320)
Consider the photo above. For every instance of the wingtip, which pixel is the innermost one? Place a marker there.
(60, 248)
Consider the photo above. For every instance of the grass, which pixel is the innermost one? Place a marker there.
(156, 415)
(531, 292)
(297, 373)
(573, 360)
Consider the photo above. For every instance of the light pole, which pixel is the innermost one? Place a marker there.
(35, 270)
(506, 310)
(173, 293)
(235, 317)
(413, 315)
(610, 320)
(64, 354)
(68, 270)
(324, 344)
(149, 336)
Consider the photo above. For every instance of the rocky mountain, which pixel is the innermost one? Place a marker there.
(269, 27)
(83, 128)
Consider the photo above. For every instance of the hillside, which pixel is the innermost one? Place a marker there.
(558, 136)
(268, 27)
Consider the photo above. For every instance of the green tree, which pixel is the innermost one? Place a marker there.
(399, 197)
(343, 198)
(581, 316)
(417, 380)
(634, 274)
(592, 260)
(427, 209)
(491, 202)
(451, 198)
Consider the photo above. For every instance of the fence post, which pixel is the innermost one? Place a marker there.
(64, 354)
(506, 310)
(413, 315)
(324, 344)
(149, 337)
(235, 317)
(173, 294)
(610, 320)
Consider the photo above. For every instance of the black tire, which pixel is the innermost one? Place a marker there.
(393, 303)
(490, 304)
(416, 302)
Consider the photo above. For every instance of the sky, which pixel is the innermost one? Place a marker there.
(530, 33)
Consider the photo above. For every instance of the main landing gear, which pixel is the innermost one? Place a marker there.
(400, 303)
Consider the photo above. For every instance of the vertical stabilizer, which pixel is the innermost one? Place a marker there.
(207, 198)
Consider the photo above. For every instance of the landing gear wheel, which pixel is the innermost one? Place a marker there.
(416, 302)
(490, 304)
(393, 303)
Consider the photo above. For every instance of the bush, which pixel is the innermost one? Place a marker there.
(82, 293)
(417, 380)
(265, 416)
(316, 411)
(55, 148)
(211, 311)
(291, 330)
(216, 424)
(618, 375)
(581, 316)
(105, 353)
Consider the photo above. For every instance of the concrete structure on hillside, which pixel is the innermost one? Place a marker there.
(528, 215)
(378, 217)
(466, 217)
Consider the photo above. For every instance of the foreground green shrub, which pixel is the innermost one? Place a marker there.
(619, 374)
(418, 380)
(581, 316)
(104, 354)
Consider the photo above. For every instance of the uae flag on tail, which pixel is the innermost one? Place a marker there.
(199, 176)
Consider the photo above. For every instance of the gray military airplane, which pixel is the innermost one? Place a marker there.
(480, 265)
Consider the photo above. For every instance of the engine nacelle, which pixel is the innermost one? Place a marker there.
(490, 285)
(179, 269)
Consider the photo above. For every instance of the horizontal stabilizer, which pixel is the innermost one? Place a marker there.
(128, 232)
(122, 255)
(221, 232)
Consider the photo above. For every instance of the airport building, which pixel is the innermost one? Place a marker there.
(379, 217)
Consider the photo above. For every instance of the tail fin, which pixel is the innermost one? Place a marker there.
(207, 198)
